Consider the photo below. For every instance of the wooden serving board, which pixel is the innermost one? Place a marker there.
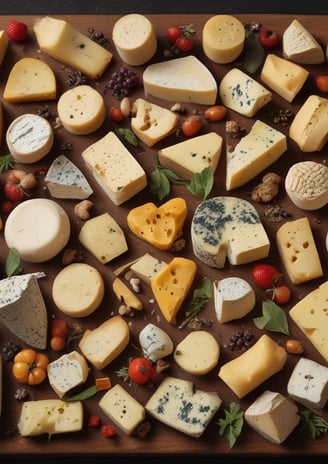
(161, 440)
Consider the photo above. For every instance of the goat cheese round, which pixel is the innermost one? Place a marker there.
(155, 343)
(29, 138)
(233, 298)
(38, 229)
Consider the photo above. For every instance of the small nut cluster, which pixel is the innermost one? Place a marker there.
(82, 209)
(268, 189)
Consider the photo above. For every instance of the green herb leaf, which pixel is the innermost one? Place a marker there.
(13, 263)
(201, 296)
(312, 424)
(273, 318)
(123, 373)
(253, 52)
(127, 135)
(6, 162)
(201, 183)
(159, 183)
(84, 395)
(230, 426)
(72, 336)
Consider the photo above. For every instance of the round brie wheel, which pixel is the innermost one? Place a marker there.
(38, 229)
(78, 290)
(29, 138)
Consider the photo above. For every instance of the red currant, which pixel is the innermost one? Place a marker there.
(108, 430)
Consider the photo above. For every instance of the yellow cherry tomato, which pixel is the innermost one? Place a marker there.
(30, 366)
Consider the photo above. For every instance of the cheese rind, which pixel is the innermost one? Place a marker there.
(155, 342)
(299, 45)
(233, 298)
(147, 267)
(67, 372)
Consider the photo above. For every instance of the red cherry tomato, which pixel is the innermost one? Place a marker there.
(108, 430)
(322, 83)
(281, 294)
(13, 192)
(58, 328)
(141, 371)
(191, 125)
(116, 114)
(269, 39)
(185, 44)
(173, 33)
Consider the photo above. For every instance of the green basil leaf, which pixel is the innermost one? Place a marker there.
(159, 183)
(127, 135)
(231, 425)
(84, 395)
(13, 263)
(201, 183)
(273, 318)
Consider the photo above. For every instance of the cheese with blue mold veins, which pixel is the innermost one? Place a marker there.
(234, 297)
(176, 404)
(228, 228)
(299, 45)
(155, 342)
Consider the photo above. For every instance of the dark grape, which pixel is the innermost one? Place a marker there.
(122, 82)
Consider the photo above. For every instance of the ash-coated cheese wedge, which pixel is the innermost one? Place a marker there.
(243, 94)
(250, 369)
(50, 416)
(310, 315)
(259, 149)
(29, 138)
(308, 383)
(135, 39)
(23, 310)
(152, 123)
(60, 40)
(30, 80)
(192, 155)
(298, 251)
(283, 77)
(122, 409)
(155, 342)
(104, 343)
(3, 45)
(273, 416)
(228, 228)
(115, 169)
(198, 353)
(299, 45)
(177, 404)
(306, 184)
(223, 38)
(103, 237)
(234, 297)
(183, 79)
(78, 290)
(309, 128)
(125, 295)
(67, 372)
(38, 229)
(65, 180)
(147, 267)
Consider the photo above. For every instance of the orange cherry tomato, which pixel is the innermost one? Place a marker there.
(322, 83)
(57, 343)
(281, 294)
(215, 113)
(191, 125)
(30, 366)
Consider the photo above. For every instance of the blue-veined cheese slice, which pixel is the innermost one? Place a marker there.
(67, 372)
(234, 297)
(299, 45)
(228, 228)
(155, 342)
(183, 79)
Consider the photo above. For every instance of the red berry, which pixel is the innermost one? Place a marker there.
(94, 421)
(16, 31)
(269, 39)
(108, 430)
(173, 33)
(116, 114)
(266, 276)
(185, 44)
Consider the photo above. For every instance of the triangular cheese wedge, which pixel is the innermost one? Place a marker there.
(299, 45)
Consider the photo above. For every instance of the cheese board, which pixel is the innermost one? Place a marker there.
(162, 439)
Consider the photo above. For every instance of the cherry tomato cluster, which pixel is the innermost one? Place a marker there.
(107, 430)
(18, 186)
(58, 334)
(270, 279)
(180, 38)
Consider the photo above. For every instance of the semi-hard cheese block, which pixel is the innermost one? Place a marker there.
(161, 226)
(81, 110)
(171, 286)
(135, 39)
(298, 251)
(283, 77)
(147, 267)
(192, 155)
(104, 343)
(273, 416)
(125, 295)
(30, 80)
(234, 297)
(310, 315)
(38, 229)
(223, 38)
(183, 79)
(30, 138)
(50, 416)
(115, 169)
(309, 128)
(60, 40)
(23, 310)
(65, 180)
(259, 149)
(122, 409)
(250, 369)
(306, 184)
(299, 45)
(3, 45)
(228, 228)
(78, 289)
(243, 94)
(308, 383)
(67, 372)
(155, 342)
(176, 404)
(152, 123)
(198, 353)
(103, 237)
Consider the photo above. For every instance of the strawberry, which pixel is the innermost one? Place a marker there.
(266, 276)
(16, 31)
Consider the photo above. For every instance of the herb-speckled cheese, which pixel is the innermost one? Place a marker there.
(67, 372)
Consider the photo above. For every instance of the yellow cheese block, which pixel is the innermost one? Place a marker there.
(30, 79)
(171, 286)
(125, 295)
(161, 226)
(249, 370)
(3, 45)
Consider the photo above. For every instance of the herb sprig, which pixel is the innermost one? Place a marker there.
(200, 298)
(231, 425)
(273, 318)
(6, 162)
(84, 395)
(313, 425)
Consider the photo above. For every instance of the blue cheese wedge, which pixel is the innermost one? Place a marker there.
(67, 372)
(234, 297)
(155, 342)
(176, 404)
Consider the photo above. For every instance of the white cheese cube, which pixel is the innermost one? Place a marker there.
(67, 372)
(233, 298)
(155, 342)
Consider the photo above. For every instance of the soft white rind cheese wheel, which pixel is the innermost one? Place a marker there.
(81, 110)
(29, 138)
(299, 45)
(78, 290)
(38, 229)
(223, 38)
(135, 39)
(233, 298)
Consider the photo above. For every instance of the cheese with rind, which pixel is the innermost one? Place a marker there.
(299, 45)
(155, 342)
(125, 295)
(234, 297)
(67, 372)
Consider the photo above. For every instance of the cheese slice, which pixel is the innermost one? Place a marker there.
(234, 297)
(60, 40)
(67, 372)
(298, 251)
(147, 267)
(125, 295)
(155, 342)
(30, 80)
(299, 45)
(259, 149)
(183, 79)
(3, 45)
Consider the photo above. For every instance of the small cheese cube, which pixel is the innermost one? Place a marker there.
(66, 372)
(155, 343)
(233, 298)
(147, 267)
(299, 45)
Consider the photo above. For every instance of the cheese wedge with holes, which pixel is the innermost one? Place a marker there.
(234, 297)
(67, 372)
(299, 45)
